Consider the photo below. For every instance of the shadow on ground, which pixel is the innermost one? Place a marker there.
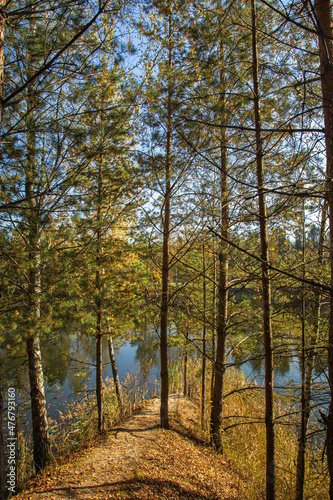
(132, 489)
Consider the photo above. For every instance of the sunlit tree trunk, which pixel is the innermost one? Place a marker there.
(115, 376)
(204, 334)
(36, 377)
(98, 301)
(324, 17)
(164, 413)
(222, 316)
(307, 369)
(302, 439)
(185, 387)
(213, 291)
(99, 378)
(266, 281)
(37, 395)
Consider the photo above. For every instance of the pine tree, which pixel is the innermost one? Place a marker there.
(40, 152)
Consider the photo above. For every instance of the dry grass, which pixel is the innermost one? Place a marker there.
(244, 441)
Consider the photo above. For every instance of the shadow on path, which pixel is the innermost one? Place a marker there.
(131, 489)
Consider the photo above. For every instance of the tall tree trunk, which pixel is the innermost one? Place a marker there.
(36, 377)
(213, 292)
(164, 411)
(115, 376)
(324, 17)
(185, 387)
(204, 334)
(308, 369)
(38, 404)
(266, 281)
(217, 396)
(37, 394)
(99, 333)
(301, 442)
(99, 378)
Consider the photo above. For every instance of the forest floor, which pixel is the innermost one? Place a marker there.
(139, 460)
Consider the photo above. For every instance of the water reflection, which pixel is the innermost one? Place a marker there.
(69, 365)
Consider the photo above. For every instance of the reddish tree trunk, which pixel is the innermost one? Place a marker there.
(222, 316)
(164, 413)
(266, 285)
(324, 17)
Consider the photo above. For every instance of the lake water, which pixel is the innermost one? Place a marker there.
(70, 372)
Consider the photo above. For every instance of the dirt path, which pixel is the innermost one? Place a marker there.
(138, 460)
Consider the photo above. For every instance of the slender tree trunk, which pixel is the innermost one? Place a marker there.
(115, 376)
(308, 369)
(324, 17)
(38, 404)
(99, 333)
(37, 394)
(214, 295)
(185, 387)
(301, 442)
(36, 377)
(266, 281)
(217, 396)
(164, 412)
(212, 381)
(204, 334)
(187, 335)
(99, 378)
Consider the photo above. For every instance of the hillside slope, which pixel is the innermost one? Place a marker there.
(138, 460)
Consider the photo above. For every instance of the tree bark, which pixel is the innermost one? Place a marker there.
(98, 301)
(37, 394)
(324, 18)
(222, 317)
(36, 377)
(164, 411)
(185, 387)
(204, 334)
(38, 404)
(99, 378)
(213, 293)
(266, 281)
(308, 369)
(116, 377)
